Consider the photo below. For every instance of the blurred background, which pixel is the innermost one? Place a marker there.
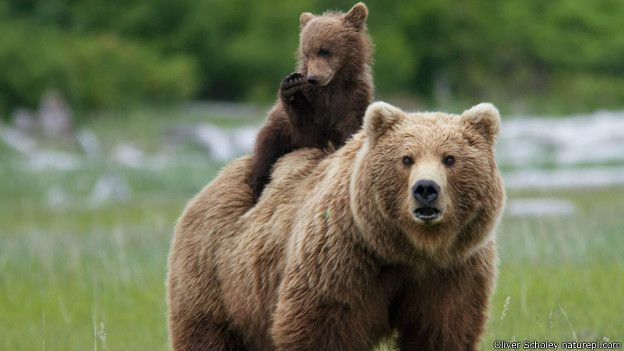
(113, 114)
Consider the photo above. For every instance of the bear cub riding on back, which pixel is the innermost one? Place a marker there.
(320, 105)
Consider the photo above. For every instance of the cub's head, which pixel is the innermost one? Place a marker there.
(332, 43)
(431, 175)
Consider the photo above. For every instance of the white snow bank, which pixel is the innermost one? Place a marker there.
(540, 207)
(17, 140)
(222, 144)
(524, 141)
(52, 160)
(535, 179)
(597, 137)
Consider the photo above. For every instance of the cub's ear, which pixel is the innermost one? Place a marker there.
(379, 117)
(357, 15)
(484, 119)
(305, 18)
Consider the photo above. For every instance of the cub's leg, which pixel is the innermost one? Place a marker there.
(272, 142)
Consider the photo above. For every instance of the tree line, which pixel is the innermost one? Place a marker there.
(549, 55)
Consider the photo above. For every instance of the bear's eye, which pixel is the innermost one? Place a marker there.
(324, 53)
(408, 161)
(449, 160)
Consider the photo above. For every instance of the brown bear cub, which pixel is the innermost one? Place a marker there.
(324, 101)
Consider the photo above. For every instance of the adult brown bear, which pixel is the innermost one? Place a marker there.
(392, 232)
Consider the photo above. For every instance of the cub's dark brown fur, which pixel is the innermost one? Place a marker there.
(324, 101)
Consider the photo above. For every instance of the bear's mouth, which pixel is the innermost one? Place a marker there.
(427, 213)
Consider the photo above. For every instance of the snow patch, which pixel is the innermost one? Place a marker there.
(110, 188)
(597, 137)
(535, 179)
(221, 144)
(89, 142)
(17, 140)
(52, 160)
(129, 155)
(540, 207)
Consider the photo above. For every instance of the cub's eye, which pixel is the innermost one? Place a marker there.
(449, 160)
(408, 161)
(324, 53)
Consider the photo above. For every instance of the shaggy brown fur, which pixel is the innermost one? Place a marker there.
(324, 101)
(334, 255)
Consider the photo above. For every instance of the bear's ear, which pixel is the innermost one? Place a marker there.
(379, 117)
(483, 118)
(357, 15)
(305, 18)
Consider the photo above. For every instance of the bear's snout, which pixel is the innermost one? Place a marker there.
(312, 79)
(425, 192)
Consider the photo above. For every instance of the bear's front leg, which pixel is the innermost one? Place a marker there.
(292, 87)
(201, 333)
(447, 311)
(303, 323)
(316, 312)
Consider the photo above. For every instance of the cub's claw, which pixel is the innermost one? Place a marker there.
(292, 84)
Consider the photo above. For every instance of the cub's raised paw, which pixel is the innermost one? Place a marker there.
(292, 84)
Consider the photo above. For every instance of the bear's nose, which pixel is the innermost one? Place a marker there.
(425, 192)
(312, 79)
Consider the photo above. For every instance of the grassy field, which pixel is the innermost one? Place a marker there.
(75, 276)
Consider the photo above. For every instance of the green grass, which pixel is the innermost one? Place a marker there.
(75, 277)
(65, 271)
(81, 278)
(562, 277)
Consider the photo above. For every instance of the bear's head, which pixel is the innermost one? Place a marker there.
(333, 43)
(432, 177)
